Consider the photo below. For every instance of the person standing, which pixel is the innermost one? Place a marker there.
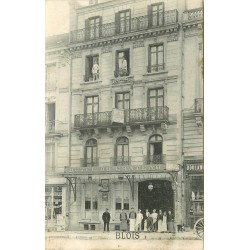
(146, 215)
(160, 220)
(154, 215)
(132, 217)
(124, 66)
(164, 222)
(170, 220)
(138, 221)
(95, 71)
(106, 219)
(123, 219)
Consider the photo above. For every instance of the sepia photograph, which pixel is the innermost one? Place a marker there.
(124, 124)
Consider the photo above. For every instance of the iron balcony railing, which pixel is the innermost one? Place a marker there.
(154, 159)
(121, 72)
(121, 161)
(155, 68)
(50, 127)
(89, 162)
(193, 15)
(134, 24)
(131, 116)
(198, 105)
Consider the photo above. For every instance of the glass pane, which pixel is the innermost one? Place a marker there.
(160, 48)
(97, 20)
(127, 14)
(160, 101)
(88, 152)
(152, 102)
(151, 149)
(119, 150)
(160, 58)
(125, 150)
(119, 97)
(160, 92)
(126, 95)
(126, 105)
(94, 152)
(153, 49)
(95, 108)
(152, 92)
(160, 7)
(89, 100)
(119, 105)
(122, 14)
(89, 109)
(153, 59)
(96, 99)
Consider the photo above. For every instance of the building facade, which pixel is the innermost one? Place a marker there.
(57, 108)
(134, 108)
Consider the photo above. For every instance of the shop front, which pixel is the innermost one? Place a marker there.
(194, 171)
(55, 204)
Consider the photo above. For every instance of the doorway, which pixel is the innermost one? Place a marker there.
(160, 197)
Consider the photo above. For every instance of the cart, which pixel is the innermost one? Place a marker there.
(199, 228)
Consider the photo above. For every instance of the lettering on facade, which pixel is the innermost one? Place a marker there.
(195, 167)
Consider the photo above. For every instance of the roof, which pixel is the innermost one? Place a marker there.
(57, 41)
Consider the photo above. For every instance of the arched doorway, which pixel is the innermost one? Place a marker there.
(160, 197)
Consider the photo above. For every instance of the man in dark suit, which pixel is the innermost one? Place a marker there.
(106, 219)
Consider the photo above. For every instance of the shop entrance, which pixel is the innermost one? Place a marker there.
(160, 197)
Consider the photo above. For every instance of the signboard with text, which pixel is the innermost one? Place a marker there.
(194, 167)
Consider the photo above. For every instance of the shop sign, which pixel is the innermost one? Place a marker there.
(195, 167)
(121, 169)
(118, 116)
(55, 181)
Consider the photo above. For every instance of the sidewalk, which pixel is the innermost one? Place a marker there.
(97, 235)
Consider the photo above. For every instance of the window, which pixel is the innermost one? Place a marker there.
(197, 194)
(92, 68)
(156, 58)
(87, 205)
(156, 97)
(122, 100)
(122, 152)
(51, 76)
(123, 21)
(126, 206)
(91, 110)
(50, 156)
(95, 205)
(91, 153)
(155, 150)
(122, 63)
(156, 14)
(93, 28)
(118, 206)
(50, 117)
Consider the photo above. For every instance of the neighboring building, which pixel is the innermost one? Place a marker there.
(135, 73)
(57, 108)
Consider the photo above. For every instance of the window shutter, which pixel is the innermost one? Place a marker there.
(117, 23)
(100, 26)
(87, 29)
(149, 16)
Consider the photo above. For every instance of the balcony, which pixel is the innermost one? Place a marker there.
(89, 162)
(136, 24)
(121, 161)
(154, 159)
(193, 15)
(131, 117)
(155, 68)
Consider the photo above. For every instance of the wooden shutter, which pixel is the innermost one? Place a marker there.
(117, 23)
(87, 29)
(149, 16)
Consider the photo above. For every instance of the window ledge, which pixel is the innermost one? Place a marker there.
(90, 82)
(156, 73)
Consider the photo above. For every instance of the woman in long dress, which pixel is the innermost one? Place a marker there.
(164, 222)
(123, 219)
(160, 220)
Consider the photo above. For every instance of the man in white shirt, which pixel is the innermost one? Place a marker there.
(95, 71)
(124, 67)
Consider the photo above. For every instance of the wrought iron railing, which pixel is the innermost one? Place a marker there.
(136, 24)
(121, 72)
(198, 105)
(146, 114)
(121, 160)
(50, 127)
(155, 68)
(194, 14)
(95, 119)
(154, 159)
(89, 162)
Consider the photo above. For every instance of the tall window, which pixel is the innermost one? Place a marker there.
(156, 58)
(122, 63)
(156, 104)
(122, 100)
(93, 28)
(50, 117)
(92, 68)
(51, 76)
(156, 14)
(50, 156)
(122, 151)
(91, 153)
(155, 150)
(124, 21)
(91, 110)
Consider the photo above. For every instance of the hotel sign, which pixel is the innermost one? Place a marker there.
(195, 167)
(120, 169)
(118, 116)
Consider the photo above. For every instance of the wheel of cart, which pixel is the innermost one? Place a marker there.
(199, 228)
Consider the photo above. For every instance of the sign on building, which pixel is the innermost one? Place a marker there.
(117, 116)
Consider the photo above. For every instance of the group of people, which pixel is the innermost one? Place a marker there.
(137, 221)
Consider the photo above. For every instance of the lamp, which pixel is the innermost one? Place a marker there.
(150, 186)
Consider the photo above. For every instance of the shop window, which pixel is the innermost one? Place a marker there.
(91, 153)
(118, 205)
(122, 63)
(126, 206)
(95, 205)
(51, 76)
(87, 205)
(156, 58)
(156, 14)
(122, 152)
(123, 21)
(93, 28)
(92, 68)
